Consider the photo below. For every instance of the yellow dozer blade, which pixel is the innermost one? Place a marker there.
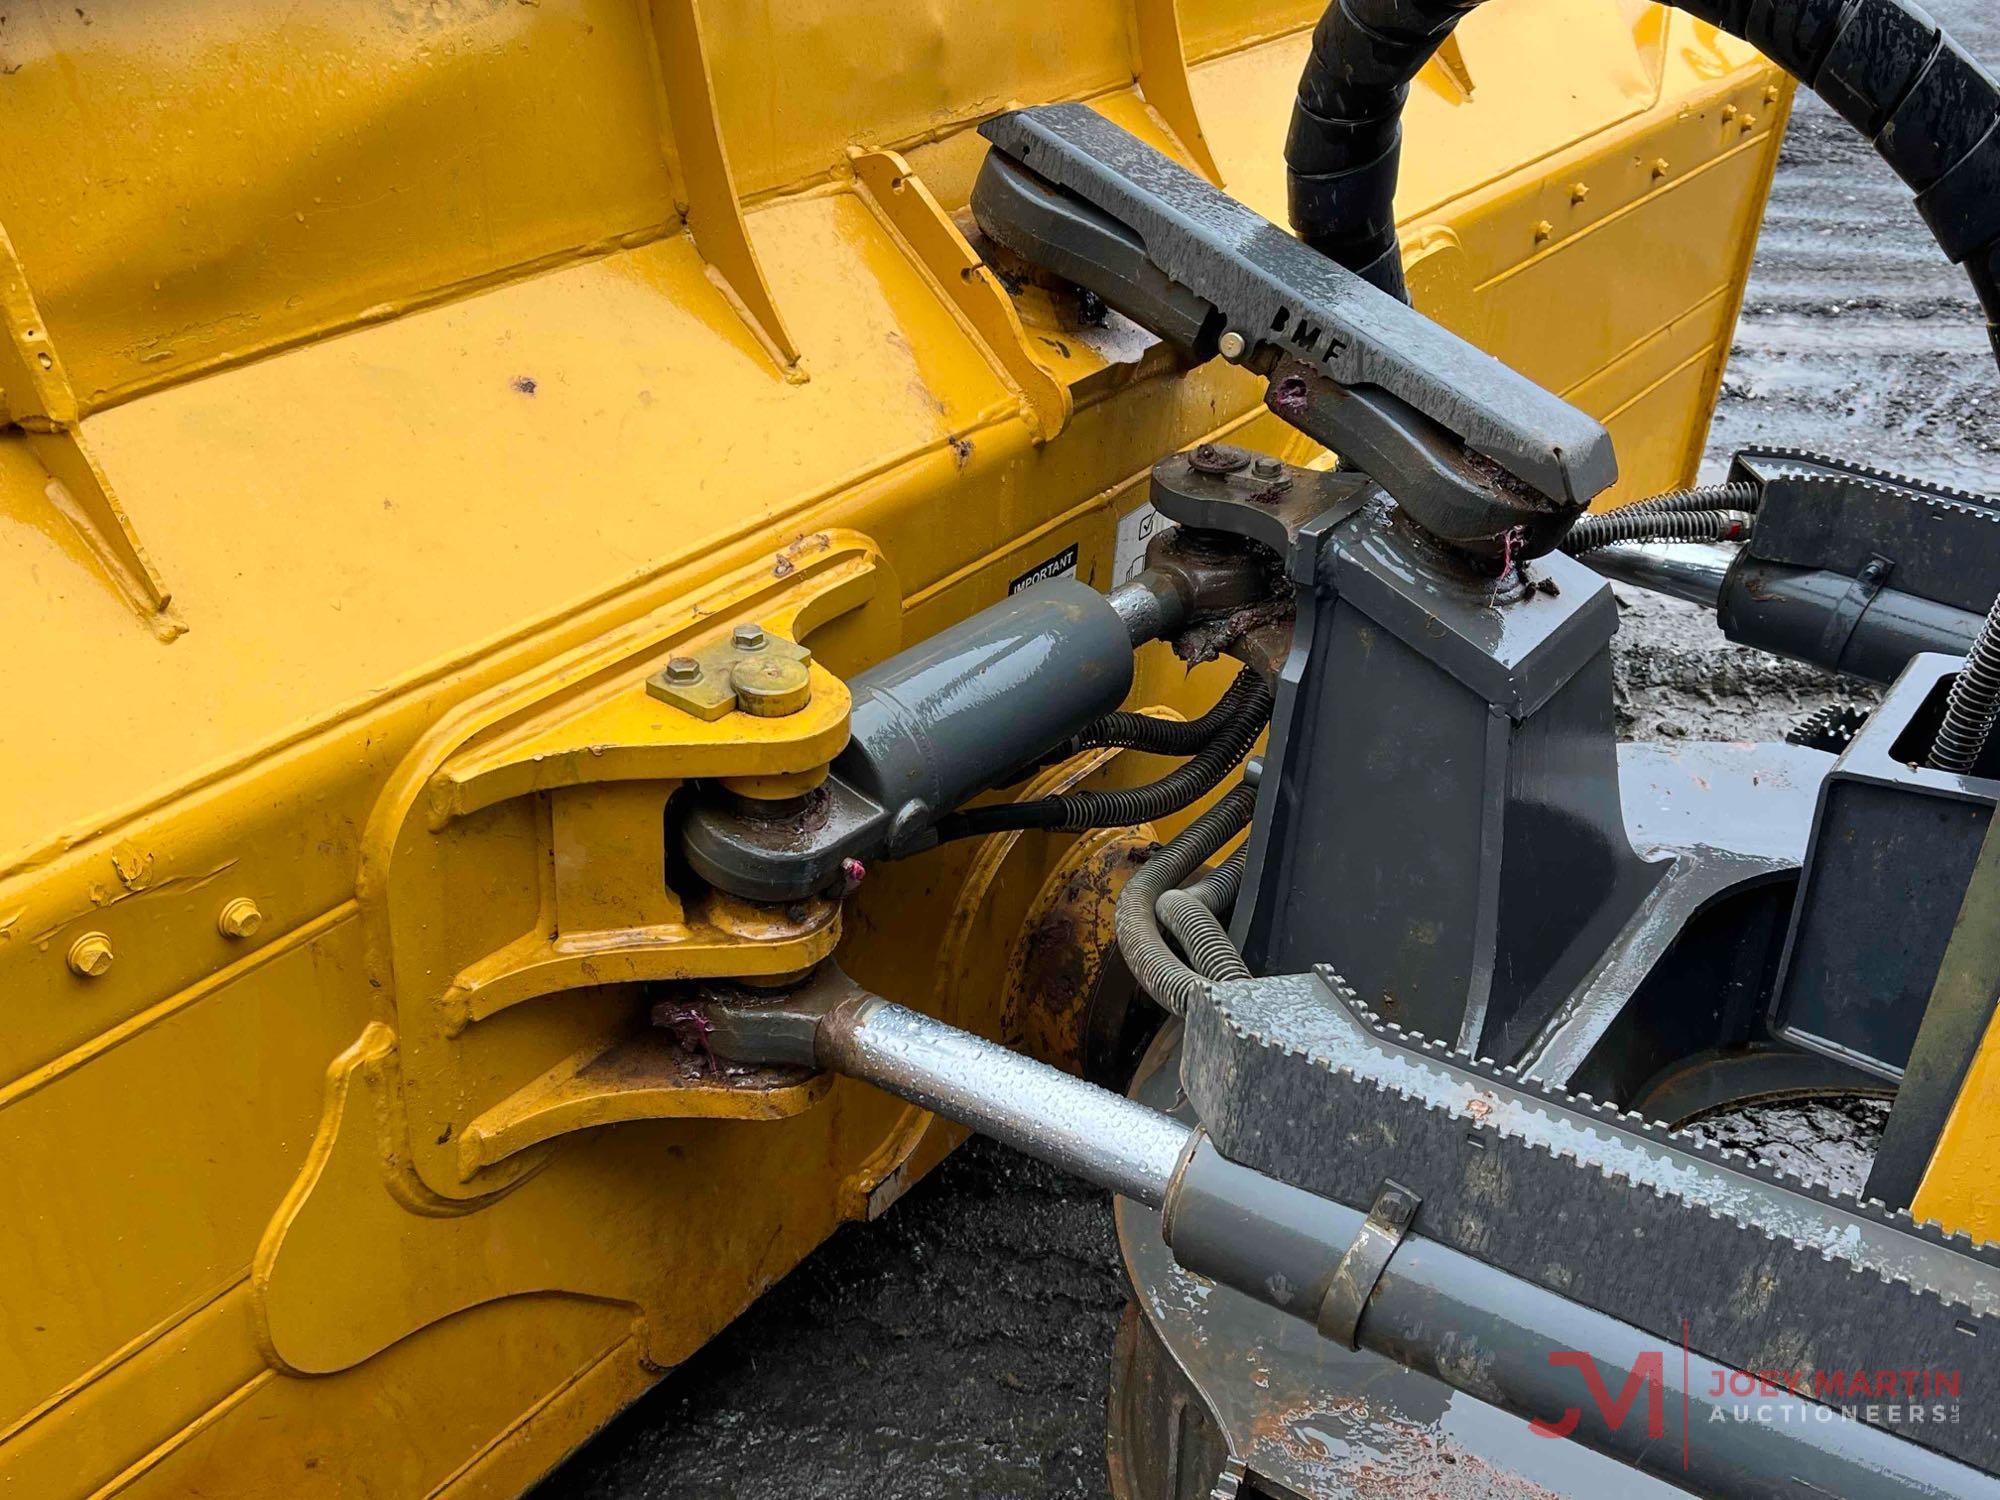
(389, 391)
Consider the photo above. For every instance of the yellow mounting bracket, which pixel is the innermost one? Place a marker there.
(36, 396)
(518, 879)
(941, 251)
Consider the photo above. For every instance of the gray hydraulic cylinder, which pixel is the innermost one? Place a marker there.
(968, 709)
(959, 712)
(1828, 619)
(1808, 614)
(1507, 1341)
(1519, 1346)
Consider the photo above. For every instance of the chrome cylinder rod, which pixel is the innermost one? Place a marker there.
(833, 1023)
(1425, 1306)
(1686, 570)
(1100, 1136)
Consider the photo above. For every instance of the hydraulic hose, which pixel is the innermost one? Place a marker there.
(1930, 110)
(1973, 704)
(1201, 935)
(1192, 913)
(1741, 495)
(1153, 963)
(1128, 806)
(1592, 532)
(1217, 889)
(1156, 736)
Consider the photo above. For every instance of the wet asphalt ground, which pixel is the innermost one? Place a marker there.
(961, 1346)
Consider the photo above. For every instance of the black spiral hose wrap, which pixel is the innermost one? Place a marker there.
(1157, 736)
(1930, 110)
(1127, 806)
(1591, 532)
(1973, 704)
(1159, 972)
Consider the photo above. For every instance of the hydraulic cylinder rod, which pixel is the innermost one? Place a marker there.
(1099, 1136)
(1811, 615)
(1684, 570)
(1507, 1341)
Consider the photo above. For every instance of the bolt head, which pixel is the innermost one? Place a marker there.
(747, 638)
(682, 669)
(1217, 458)
(1264, 467)
(1231, 345)
(239, 918)
(90, 955)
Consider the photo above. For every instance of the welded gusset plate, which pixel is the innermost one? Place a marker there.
(1753, 1268)
(1277, 292)
(1940, 544)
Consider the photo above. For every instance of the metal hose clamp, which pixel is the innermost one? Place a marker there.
(1378, 1239)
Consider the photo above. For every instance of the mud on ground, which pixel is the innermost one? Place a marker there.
(961, 1346)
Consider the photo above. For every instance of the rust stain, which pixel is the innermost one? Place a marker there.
(1354, 1448)
(1062, 957)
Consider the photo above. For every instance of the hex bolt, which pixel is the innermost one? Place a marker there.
(239, 918)
(1265, 467)
(90, 955)
(682, 669)
(1231, 345)
(747, 638)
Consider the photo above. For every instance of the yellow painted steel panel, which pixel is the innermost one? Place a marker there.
(234, 177)
(417, 373)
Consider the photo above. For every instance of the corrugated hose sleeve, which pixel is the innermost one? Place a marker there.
(1159, 972)
(1973, 704)
(1217, 889)
(1738, 496)
(1591, 532)
(1127, 806)
(1201, 935)
(1156, 736)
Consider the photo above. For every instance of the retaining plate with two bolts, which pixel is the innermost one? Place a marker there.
(749, 669)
